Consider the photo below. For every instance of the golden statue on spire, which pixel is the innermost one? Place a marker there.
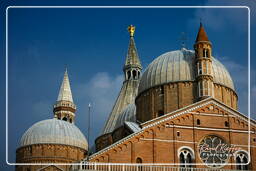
(131, 30)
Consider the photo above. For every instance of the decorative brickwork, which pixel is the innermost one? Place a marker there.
(161, 139)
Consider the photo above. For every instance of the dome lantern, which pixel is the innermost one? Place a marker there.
(132, 67)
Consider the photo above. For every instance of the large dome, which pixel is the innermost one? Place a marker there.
(53, 131)
(177, 66)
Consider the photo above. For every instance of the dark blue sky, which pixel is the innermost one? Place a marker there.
(93, 44)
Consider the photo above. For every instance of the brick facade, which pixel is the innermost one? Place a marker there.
(160, 139)
(170, 97)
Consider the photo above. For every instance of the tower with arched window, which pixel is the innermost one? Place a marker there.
(203, 59)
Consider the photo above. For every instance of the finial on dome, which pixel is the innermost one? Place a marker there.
(131, 30)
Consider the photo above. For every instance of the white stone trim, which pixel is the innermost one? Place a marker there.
(186, 147)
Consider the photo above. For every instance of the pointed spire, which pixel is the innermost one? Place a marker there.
(65, 93)
(201, 35)
(132, 58)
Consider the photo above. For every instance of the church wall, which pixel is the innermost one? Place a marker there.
(161, 143)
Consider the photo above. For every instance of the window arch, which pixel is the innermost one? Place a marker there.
(186, 157)
(134, 74)
(160, 113)
(139, 161)
(226, 124)
(205, 53)
(198, 122)
(129, 75)
(242, 160)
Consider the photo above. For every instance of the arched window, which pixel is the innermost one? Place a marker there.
(198, 122)
(186, 158)
(160, 113)
(134, 73)
(129, 75)
(205, 53)
(139, 161)
(138, 74)
(162, 90)
(241, 160)
(200, 70)
(226, 124)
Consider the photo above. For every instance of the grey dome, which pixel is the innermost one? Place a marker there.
(128, 114)
(178, 66)
(54, 131)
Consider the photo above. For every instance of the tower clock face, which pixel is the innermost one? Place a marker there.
(213, 151)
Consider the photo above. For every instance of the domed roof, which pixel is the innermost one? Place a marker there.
(178, 66)
(54, 131)
(128, 114)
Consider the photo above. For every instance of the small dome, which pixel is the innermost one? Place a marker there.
(53, 131)
(178, 66)
(128, 114)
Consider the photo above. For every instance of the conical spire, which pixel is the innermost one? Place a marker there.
(132, 58)
(201, 35)
(65, 91)
(64, 109)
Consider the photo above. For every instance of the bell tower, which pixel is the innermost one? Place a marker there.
(203, 62)
(132, 67)
(64, 108)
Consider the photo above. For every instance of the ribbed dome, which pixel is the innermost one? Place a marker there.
(128, 114)
(178, 66)
(53, 131)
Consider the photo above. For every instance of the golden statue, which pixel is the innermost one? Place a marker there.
(131, 30)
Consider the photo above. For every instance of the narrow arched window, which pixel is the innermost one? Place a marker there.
(198, 122)
(129, 74)
(205, 53)
(226, 124)
(134, 73)
(160, 113)
(162, 90)
(139, 161)
(186, 158)
(241, 161)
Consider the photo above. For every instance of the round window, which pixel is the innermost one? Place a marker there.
(212, 151)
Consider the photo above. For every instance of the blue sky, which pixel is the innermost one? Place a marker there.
(93, 44)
